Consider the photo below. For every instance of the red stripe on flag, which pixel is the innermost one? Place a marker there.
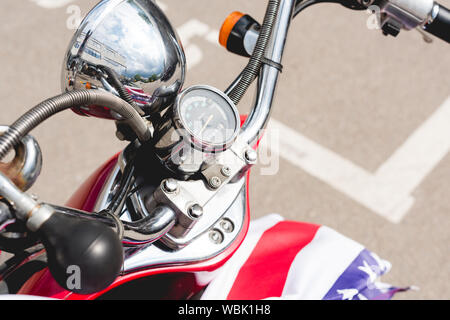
(264, 273)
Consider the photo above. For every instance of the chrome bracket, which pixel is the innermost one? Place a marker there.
(230, 167)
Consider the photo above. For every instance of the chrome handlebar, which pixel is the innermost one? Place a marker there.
(267, 82)
(407, 14)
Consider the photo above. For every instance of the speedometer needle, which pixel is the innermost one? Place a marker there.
(206, 123)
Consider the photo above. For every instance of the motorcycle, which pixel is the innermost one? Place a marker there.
(169, 216)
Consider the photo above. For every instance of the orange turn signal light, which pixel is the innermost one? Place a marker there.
(228, 26)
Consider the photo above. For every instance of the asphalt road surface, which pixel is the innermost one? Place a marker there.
(362, 121)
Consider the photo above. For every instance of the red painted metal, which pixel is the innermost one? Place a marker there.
(86, 195)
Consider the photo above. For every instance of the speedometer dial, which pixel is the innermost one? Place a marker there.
(209, 117)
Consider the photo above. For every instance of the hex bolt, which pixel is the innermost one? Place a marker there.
(195, 211)
(170, 185)
(215, 182)
(225, 171)
(250, 156)
(216, 236)
(227, 225)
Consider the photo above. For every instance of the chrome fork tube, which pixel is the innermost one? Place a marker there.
(267, 81)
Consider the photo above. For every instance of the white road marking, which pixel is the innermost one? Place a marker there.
(213, 37)
(420, 153)
(194, 55)
(191, 29)
(51, 4)
(387, 192)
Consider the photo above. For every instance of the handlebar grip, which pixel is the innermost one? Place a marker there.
(440, 27)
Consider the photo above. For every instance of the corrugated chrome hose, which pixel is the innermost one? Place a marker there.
(251, 70)
(76, 98)
(124, 94)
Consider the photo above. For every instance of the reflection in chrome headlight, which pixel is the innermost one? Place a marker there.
(126, 47)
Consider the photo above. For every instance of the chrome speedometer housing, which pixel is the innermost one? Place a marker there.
(207, 118)
(202, 123)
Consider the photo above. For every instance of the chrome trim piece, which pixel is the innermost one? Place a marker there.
(151, 228)
(190, 136)
(410, 13)
(200, 249)
(199, 192)
(250, 39)
(35, 221)
(421, 9)
(107, 190)
(434, 13)
(25, 168)
(135, 233)
(23, 203)
(25, 207)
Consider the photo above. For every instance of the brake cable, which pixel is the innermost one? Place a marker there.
(118, 201)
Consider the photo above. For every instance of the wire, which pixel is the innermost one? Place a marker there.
(302, 5)
(117, 203)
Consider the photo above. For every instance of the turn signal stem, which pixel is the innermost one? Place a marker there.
(239, 33)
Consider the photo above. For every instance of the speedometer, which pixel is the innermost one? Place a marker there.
(208, 116)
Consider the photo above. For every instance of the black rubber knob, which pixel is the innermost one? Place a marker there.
(440, 27)
(84, 256)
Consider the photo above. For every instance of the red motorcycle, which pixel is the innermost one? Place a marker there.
(169, 216)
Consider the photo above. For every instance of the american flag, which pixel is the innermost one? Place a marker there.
(296, 260)
(138, 95)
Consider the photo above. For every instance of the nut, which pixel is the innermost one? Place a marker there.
(216, 236)
(170, 185)
(195, 211)
(225, 171)
(227, 225)
(215, 182)
(250, 156)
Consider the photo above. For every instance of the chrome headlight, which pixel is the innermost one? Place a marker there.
(126, 45)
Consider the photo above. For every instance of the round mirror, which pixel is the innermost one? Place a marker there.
(129, 48)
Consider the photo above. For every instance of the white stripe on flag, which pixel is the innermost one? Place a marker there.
(219, 288)
(319, 264)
